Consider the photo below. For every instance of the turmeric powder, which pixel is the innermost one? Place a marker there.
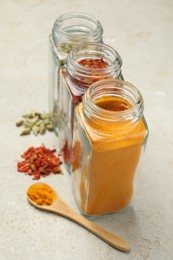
(41, 194)
(112, 144)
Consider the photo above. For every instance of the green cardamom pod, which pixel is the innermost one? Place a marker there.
(27, 115)
(36, 122)
(49, 127)
(19, 123)
(44, 116)
(35, 119)
(46, 121)
(35, 129)
(42, 129)
(28, 125)
(26, 132)
(39, 122)
(38, 114)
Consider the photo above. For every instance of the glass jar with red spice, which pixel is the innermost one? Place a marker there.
(109, 138)
(86, 64)
(68, 31)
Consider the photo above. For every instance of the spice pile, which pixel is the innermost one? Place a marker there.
(35, 122)
(41, 194)
(39, 162)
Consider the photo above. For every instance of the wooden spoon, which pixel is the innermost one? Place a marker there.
(60, 207)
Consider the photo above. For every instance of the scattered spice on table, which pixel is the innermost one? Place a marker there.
(36, 123)
(41, 194)
(39, 162)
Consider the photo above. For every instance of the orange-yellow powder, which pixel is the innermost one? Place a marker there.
(41, 194)
(107, 176)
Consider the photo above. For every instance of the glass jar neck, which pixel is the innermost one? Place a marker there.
(113, 89)
(73, 28)
(102, 62)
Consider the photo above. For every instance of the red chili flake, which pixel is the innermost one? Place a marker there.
(94, 63)
(39, 162)
(96, 71)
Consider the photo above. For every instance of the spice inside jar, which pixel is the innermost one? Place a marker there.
(86, 64)
(94, 63)
(69, 30)
(111, 132)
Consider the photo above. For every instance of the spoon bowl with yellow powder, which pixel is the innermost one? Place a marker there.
(42, 196)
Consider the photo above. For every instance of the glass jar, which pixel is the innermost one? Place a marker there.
(68, 31)
(109, 137)
(86, 64)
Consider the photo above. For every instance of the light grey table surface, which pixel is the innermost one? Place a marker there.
(142, 32)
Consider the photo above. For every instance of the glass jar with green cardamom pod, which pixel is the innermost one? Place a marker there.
(68, 31)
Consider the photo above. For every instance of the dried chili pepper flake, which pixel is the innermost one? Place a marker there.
(39, 162)
(96, 67)
(94, 63)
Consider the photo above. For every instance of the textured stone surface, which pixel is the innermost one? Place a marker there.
(142, 32)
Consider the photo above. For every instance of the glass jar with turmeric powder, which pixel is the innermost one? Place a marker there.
(69, 30)
(86, 64)
(110, 134)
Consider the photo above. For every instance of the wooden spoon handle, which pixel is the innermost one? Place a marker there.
(110, 238)
(104, 234)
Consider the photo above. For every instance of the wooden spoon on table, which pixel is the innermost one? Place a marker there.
(61, 208)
